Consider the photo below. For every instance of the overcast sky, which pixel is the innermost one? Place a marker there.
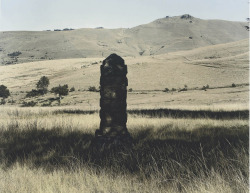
(59, 14)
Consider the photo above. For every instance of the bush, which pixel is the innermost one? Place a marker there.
(12, 101)
(92, 89)
(233, 85)
(4, 92)
(3, 102)
(34, 93)
(205, 87)
(166, 90)
(173, 89)
(186, 16)
(29, 104)
(72, 89)
(14, 54)
(130, 90)
(183, 89)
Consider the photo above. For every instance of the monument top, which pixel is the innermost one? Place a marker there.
(113, 59)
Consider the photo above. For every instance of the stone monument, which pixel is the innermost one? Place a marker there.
(113, 92)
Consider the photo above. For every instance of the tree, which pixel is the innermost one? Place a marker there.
(61, 91)
(4, 93)
(42, 84)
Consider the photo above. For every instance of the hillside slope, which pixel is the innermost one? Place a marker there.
(216, 65)
(158, 37)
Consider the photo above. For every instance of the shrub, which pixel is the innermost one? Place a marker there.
(166, 90)
(130, 90)
(33, 93)
(12, 101)
(29, 104)
(4, 92)
(142, 52)
(72, 89)
(92, 89)
(186, 16)
(3, 102)
(183, 89)
(205, 87)
(233, 85)
(173, 89)
(14, 54)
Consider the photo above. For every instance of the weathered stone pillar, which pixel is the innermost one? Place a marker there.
(113, 103)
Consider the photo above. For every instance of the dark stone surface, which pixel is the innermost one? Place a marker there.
(113, 131)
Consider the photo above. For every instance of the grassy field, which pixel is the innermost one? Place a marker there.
(48, 150)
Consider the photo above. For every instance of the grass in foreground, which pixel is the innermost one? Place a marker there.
(44, 152)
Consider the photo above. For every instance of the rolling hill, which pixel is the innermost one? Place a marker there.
(165, 35)
(218, 66)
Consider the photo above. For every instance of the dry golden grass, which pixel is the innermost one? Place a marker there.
(172, 70)
(49, 117)
(46, 150)
(218, 66)
(23, 179)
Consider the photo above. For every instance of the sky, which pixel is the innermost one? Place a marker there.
(38, 15)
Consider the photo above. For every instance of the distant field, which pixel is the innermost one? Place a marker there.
(48, 150)
(217, 67)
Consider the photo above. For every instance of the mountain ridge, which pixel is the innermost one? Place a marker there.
(164, 35)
